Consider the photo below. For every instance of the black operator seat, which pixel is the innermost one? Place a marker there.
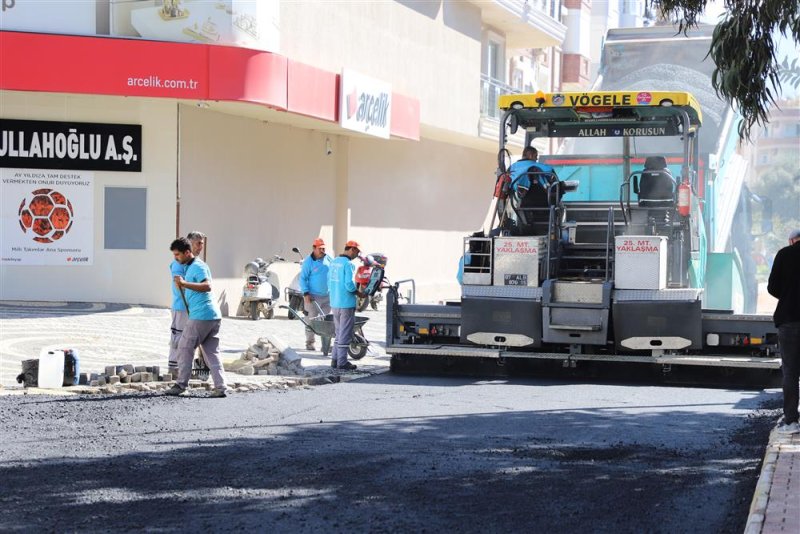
(657, 186)
(537, 195)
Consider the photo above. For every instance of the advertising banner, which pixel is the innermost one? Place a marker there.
(366, 104)
(46, 217)
(50, 16)
(243, 23)
(70, 145)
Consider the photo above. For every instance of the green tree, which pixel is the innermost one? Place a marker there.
(781, 184)
(748, 71)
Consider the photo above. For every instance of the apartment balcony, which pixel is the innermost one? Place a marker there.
(525, 23)
(489, 123)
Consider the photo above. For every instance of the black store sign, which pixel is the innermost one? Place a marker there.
(85, 146)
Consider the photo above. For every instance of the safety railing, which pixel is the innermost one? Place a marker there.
(491, 89)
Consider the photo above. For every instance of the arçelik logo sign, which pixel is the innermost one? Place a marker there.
(368, 108)
(48, 216)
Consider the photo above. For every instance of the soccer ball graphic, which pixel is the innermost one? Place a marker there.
(48, 215)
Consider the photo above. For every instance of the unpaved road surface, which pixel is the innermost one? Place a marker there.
(388, 454)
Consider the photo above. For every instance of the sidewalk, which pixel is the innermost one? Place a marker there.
(776, 501)
(116, 334)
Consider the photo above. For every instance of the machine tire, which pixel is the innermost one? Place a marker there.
(254, 310)
(269, 313)
(373, 304)
(362, 303)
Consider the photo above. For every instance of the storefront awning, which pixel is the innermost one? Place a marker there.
(135, 67)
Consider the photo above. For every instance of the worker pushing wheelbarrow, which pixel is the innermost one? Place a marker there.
(322, 325)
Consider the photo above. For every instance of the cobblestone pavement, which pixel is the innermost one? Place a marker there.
(115, 334)
(776, 503)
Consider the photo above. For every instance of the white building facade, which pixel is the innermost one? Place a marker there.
(226, 117)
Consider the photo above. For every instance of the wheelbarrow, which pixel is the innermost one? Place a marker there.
(322, 326)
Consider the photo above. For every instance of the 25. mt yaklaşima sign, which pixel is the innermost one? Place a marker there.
(70, 145)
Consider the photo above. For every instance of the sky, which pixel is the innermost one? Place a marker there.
(786, 47)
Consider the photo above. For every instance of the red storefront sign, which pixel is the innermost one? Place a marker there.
(135, 67)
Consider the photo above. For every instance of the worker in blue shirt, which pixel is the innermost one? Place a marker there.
(314, 285)
(202, 327)
(519, 172)
(343, 292)
(178, 311)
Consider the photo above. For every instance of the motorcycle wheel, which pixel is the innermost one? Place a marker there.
(373, 303)
(362, 303)
(254, 310)
(269, 313)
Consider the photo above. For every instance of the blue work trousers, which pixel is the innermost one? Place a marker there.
(789, 341)
(343, 322)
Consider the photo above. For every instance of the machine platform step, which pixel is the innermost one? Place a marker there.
(710, 360)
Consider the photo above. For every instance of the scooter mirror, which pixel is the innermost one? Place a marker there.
(295, 249)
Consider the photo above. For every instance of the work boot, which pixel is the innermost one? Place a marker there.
(333, 364)
(310, 345)
(218, 394)
(176, 391)
(347, 367)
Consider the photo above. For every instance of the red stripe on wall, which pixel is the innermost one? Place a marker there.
(96, 65)
(135, 67)
(405, 117)
(244, 75)
(313, 92)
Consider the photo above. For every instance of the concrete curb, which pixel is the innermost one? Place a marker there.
(758, 505)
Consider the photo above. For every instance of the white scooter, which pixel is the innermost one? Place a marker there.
(260, 291)
(294, 297)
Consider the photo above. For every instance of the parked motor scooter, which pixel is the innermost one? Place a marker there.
(371, 280)
(292, 293)
(260, 289)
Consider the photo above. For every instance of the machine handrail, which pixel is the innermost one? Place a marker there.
(413, 298)
(609, 232)
(550, 224)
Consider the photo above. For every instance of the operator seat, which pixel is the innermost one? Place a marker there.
(533, 209)
(657, 186)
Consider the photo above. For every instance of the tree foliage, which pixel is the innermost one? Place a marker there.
(748, 71)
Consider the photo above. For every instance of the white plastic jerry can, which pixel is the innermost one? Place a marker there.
(51, 368)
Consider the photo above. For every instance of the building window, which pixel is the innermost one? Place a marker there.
(125, 218)
(494, 60)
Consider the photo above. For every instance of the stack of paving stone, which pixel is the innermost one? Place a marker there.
(125, 374)
(267, 356)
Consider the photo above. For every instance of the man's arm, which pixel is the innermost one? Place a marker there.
(200, 287)
(305, 274)
(775, 277)
(349, 279)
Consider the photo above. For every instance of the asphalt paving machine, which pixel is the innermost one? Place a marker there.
(606, 257)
